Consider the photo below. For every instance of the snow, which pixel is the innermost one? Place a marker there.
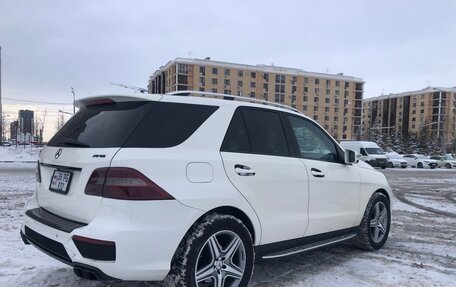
(421, 249)
(19, 154)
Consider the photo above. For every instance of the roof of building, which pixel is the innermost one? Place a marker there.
(257, 68)
(427, 90)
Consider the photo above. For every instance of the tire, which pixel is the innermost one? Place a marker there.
(419, 165)
(390, 165)
(202, 254)
(447, 165)
(383, 167)
(375, 225)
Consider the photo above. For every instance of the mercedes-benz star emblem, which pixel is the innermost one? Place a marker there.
(58, 153)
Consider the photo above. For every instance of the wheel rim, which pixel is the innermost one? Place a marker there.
(379, 222)
(221, 261)
(420, 165)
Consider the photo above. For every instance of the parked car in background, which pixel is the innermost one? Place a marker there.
(6, 143)
(420, 161)
(369, 152)
(396, 160)
(444, 161)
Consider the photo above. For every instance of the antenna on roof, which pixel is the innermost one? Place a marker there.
(136, 89)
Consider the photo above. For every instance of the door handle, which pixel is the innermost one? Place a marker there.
(243, 170)
(316, 172)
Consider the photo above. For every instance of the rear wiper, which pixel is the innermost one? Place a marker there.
(73, 142)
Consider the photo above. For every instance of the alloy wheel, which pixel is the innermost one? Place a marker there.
(221, 261)
(378, 222)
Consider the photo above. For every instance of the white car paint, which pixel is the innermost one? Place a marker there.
(282, 201)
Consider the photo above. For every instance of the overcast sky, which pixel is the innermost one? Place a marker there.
(50, 46)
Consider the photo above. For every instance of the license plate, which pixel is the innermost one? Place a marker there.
(60, 181)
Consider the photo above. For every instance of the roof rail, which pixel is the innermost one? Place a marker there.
(231, 98)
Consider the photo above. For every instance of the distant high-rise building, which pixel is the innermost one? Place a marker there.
(26, 121)
(431, 110)
(335, 101)
(13, 130)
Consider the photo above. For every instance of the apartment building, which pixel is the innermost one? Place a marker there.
(431, 110)
(335, 101)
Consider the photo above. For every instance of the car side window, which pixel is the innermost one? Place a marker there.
(312, 141)
(363, 152)
(256, 131)
(236, 139)
(265, 132)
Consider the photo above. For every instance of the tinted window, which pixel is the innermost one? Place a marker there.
(169, 124)
(265, 132)
(312, 141)
(236, 139)
(106, 125)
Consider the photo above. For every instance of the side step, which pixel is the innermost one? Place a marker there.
(308, 247)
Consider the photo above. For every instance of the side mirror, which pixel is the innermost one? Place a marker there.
(350, 157)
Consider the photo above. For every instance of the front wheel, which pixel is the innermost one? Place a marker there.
(375, 224)
(420, 165)
(447, 165)
(218, 251)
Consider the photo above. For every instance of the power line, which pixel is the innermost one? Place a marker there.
(38, 102)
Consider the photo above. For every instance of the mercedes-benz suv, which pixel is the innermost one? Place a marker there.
(192, 187)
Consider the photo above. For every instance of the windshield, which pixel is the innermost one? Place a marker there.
(98, 126)
(448, 157)
(375, 151)
(392, 155)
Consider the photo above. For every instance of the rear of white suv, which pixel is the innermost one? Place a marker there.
(141, 187)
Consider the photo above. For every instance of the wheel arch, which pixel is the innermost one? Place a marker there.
(384, 192)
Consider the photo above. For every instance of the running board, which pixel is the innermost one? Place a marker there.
(308, 247)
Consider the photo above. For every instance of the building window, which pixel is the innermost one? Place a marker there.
(336, 119)
(306, 80)
(316, 118)
(327, 110)
(305, 99)
(337, 84)
(253, 75)
(316, 99)
(280, 79)
(327, 100)
(240, 74)
(280, 88)
(214, 90)
(214, 71)
(266, 77)
(337, 93)
(214, 81)
(304, 108)
(226, 82)
(326, 118)
(202, 71)
(265, 87)
(227, 72)
(346, 94)
(182, 69)
(328, 83)
(202, 81)
(315, 109)
(317, 91)
(336, 101)
(252, 84)
(328, 91)
(317, 81)
(202, 89)
(240, 83)
(227, 92)
(252, 94)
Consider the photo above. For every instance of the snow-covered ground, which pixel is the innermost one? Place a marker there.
(19, 154)
(421, 250)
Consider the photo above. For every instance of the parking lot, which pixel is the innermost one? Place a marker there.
(421, 250)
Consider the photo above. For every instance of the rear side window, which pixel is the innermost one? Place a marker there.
(256, 131)
(169, 124)
(98, 126)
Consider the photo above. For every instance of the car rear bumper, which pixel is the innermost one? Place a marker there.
(146, 235)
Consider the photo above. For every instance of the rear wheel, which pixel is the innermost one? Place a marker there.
(390, 165)
(376, 223)
(420, 165)
(218, 251)
(447, 165)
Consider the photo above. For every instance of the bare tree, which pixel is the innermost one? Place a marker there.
(39, 125)
(60, 121)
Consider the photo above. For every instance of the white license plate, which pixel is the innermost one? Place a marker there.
(60, 181)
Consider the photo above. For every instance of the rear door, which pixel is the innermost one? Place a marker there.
(334, 186)
(89, 140)
(257, 159)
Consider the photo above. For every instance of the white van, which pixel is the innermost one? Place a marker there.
(369, 152)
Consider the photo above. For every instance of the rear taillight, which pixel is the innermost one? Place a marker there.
(38, 172)
(124, 183)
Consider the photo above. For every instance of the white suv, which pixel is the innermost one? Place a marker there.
(191, 190)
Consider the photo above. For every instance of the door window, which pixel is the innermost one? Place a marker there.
(312, 141)
(256, 131)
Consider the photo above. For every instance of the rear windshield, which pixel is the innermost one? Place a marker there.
(132, 124)
(98, 126)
